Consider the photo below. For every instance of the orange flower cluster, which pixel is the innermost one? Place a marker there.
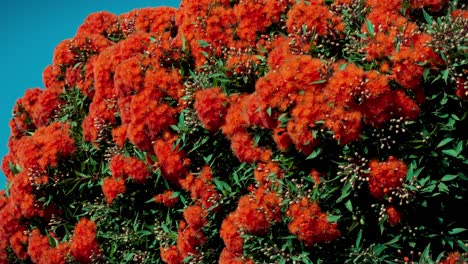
(171, 160)
(392, 30)
(310, 224)
(34, 154)
(202, 190)
(266, 173)
(246, 111)
(453, 258)
(385, 176)
(211, 106)
(167, 198)
(254, 214)
(393, 215)
(123, 168)
(128, 167)
(432, 5)
(190, 236)
(83, 245)
(19, 243)
(40, 251)
(315, 17)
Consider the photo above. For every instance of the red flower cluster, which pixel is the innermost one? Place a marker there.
(393, 215)
(211, 105)
(385, 176)
(41, 252)
(83, 245)
(315, 17)
(202, 190)
(167, 198)
(310, 224)
(123, 168)
(254, 215)
(190, 236)
(171, 160)
(129, 167)
(453, 258)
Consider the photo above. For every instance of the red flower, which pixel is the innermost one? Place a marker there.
(171, 160)
(282, 139)
(83, 246)
(41, 252)
(201, 189)
(19, 242)
(195, 216)
(315, 16)
(385, 176)
(167, 199)
(229, 257)
(112, 187)
(171, 255)
(393, 215)
(211, 107)
(98, 23)
(453, 258)
(309, 224)
(229, 232)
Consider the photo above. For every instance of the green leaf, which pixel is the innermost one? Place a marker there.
(14, 168)
(184, 42)
(445, 74)
(76, 65)
(333, 218)
(449, 177)
(459, 147)
(349, 205)
(314, 154)
(370, 27)
(427, 17)
(443, 187)
(462, 245)
(412, 174)
(344, 192)
(378, 249)
(393, 241)
(203, 43)
(451, 152)
(175, 128)
(456, 230)
(357, 245)
(425, 254)
(444, 142)
(318, 81)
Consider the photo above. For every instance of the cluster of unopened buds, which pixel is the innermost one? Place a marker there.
(302, 191)
(387, 136)
(355, 171)
(196, 259)
(402, 194)
(272, 252)
(161, 235)
(110, 152)
(102, 129)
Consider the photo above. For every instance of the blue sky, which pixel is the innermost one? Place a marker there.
(30, 30)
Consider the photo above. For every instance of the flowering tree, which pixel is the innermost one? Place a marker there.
(245, 131)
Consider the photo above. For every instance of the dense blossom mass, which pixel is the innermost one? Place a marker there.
(246, 131)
